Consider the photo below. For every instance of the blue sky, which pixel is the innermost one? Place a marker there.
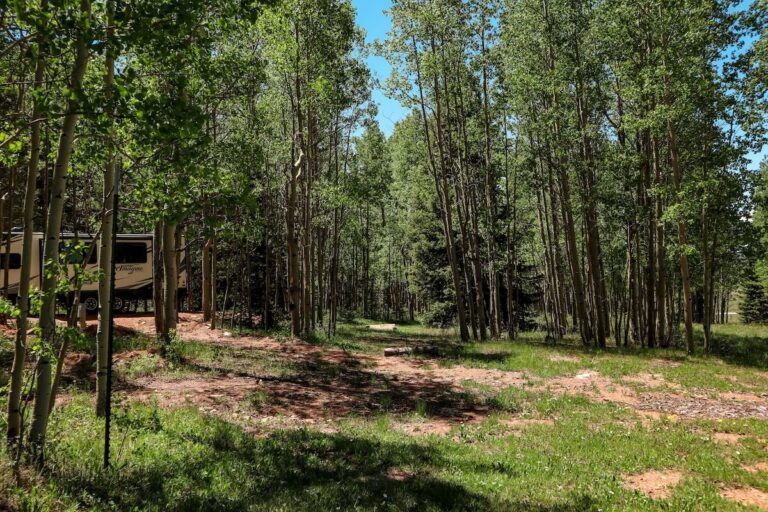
(371, 16)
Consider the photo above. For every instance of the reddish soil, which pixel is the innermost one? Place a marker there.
(79, 365)
(727, 438)
(366, 384)
(8, 329)
(747, 496)
(760, 467)
(654, 484)
(594, 386)
(308, 398)
(399, 474)
(348, 389)
(435, 427)
(455, 376)
(120, 330)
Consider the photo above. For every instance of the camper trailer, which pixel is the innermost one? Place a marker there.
(133, 267)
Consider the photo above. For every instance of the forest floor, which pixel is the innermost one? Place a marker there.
(230, 420)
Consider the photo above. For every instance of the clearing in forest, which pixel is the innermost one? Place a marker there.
(492, 426)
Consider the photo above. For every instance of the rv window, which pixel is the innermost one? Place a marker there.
(14, 261)
(75, 253)
(131, 252)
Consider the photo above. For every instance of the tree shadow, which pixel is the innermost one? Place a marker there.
(218, 467)
(323, 388)
(741, 350)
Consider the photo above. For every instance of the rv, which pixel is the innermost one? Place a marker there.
(133, 267)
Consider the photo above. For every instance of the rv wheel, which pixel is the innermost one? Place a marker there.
(91, 304)
(117, 304)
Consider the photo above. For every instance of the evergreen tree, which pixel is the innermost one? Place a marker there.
(754, 304)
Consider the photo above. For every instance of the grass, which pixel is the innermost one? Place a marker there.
(191, 356)
(183, 460)
(571, 456)
(142, 366)
(738, 362)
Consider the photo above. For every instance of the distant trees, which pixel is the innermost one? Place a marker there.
(754, 303)
(319, 86)
(614, 123)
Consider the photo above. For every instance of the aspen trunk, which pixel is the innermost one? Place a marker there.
(187, 267)
(306, 308)
(681, 238)
(266, 317)
(39, 425)
(157, 279)
(206, 281)
(443, 197)
(105, 256)
(13, 433)
(580, 298)
(490, 192)
(214, 289)
(170, 280)
(8, 232)
(294, 293)
(573, 259)
(594, 259)
(661, 318)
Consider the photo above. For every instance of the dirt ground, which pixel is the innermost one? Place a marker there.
(359, 385)
(655, 484)
(747, 496)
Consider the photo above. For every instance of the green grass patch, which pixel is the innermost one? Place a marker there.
(535, 451)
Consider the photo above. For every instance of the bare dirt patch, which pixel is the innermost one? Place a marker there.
(701, 406)
(433, 427)
(759, 467)
(79, 365)
(8, 329)
(560, 358)
(383, 327)
(333, 387)
(518, 425)
(654, 484)
(198, 390)
(746, 496)
(399, 474)
(335, 384)
(743, 397)
(127, 357)
(593, 385)
(693, 405)
(650, 381)
(120, 330)
(727, 438)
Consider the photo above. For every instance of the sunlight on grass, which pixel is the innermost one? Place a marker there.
(182, 460)
(534, 450)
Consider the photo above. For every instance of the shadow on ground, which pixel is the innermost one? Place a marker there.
(319, 389)
(212, 465)
(741, 350)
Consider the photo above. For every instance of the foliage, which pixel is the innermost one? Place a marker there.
(754, 302)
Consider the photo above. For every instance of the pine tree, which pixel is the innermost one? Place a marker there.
(754, 306)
